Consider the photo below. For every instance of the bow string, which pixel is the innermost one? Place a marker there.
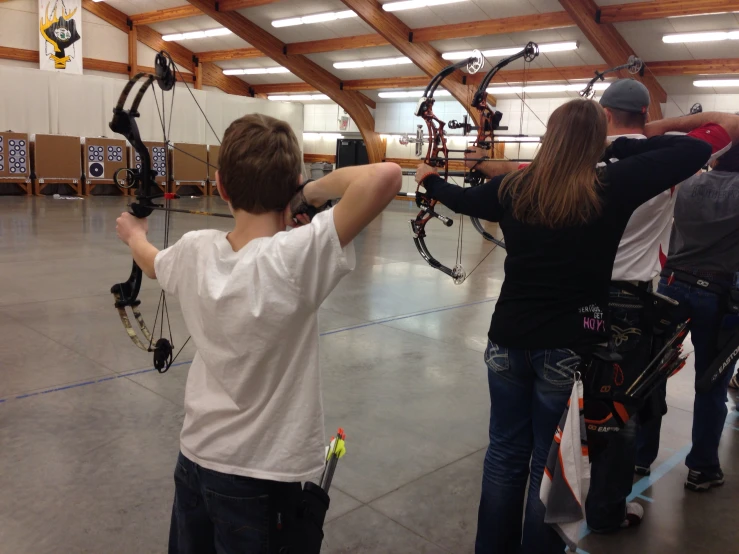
(142, 180)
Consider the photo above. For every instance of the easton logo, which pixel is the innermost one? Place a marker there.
(726, 363)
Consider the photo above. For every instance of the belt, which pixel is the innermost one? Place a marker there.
(629, 285)
(704, 274)
(694, 279)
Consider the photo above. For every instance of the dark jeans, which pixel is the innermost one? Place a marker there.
(612, 470)
(709, 409)
(529, 390)
(227, 514)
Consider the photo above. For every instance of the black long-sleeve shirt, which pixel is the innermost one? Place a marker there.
(556, 283)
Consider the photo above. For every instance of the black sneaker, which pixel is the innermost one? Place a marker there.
(642, 470)
(699, 481)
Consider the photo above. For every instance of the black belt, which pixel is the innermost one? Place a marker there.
(629, 286)
(694, 280)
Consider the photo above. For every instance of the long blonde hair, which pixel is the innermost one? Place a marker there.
(560, 187)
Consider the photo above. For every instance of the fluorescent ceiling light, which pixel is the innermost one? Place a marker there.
(502, 90)
(717, 83)
(415, 4)
(544, 88)
(701, 37)
(411, 94)
(314, 18)
(256, 71)
(544, 48)
(297, 97)
(221, 31)
(325, 136)
(372, 63)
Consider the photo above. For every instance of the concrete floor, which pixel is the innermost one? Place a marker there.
(89, 433)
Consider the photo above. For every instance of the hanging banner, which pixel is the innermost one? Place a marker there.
(60, 43)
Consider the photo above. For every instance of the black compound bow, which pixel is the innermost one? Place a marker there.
(143, 180)
(634, 65)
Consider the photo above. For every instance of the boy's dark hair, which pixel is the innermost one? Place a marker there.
(631, 120)
(259, 164)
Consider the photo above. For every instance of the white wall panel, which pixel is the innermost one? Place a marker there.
(19, 23)
(26, 100)
(36, 101)
(102, 41)
(81, 109)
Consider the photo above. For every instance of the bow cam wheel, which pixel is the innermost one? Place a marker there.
(531, 51)
(477, 64)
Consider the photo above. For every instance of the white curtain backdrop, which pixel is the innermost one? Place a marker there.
(34, 101)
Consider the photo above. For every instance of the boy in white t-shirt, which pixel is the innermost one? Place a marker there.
(253, 426)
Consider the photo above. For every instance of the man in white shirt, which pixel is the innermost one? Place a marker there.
(253, 426)
(626, 103)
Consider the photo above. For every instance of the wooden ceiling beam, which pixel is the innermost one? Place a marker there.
(656, 9)
(711, 66)
(169, 14)
(423, 55)
(181, 12)
(286, 88)
(223, 55)
(307, 70)
(333, 44)
(613, 48)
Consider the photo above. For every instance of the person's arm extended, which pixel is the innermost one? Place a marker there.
(648, 167)
(144, 254)
(132, 231)
(685, 124)
(493, 168)
(480, 201)
(364, 190)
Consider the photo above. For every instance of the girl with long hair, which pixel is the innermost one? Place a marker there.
(562, 219)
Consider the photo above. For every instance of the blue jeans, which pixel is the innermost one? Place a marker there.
(219, 513)
(612, 470)
(529, 390)
(709, 409)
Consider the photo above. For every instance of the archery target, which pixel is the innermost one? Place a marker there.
(95, 161)
(17, 155)
(159, 160)
(96, 169)
(115, 153)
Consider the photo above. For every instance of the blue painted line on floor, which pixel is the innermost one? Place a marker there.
(93, 382)
(408, 316)
(332, 332)
(637, 491)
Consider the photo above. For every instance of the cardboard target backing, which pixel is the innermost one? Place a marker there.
(158, 153)
(57, 160)
(190, 163)
(103, 157)
(15, 156)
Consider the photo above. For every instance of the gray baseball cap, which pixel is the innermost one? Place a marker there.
(628, 95)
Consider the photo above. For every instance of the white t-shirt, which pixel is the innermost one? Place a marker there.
(253, 403)
(646, 239)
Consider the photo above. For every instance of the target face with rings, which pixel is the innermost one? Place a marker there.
(13, 158)
(96, 169)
